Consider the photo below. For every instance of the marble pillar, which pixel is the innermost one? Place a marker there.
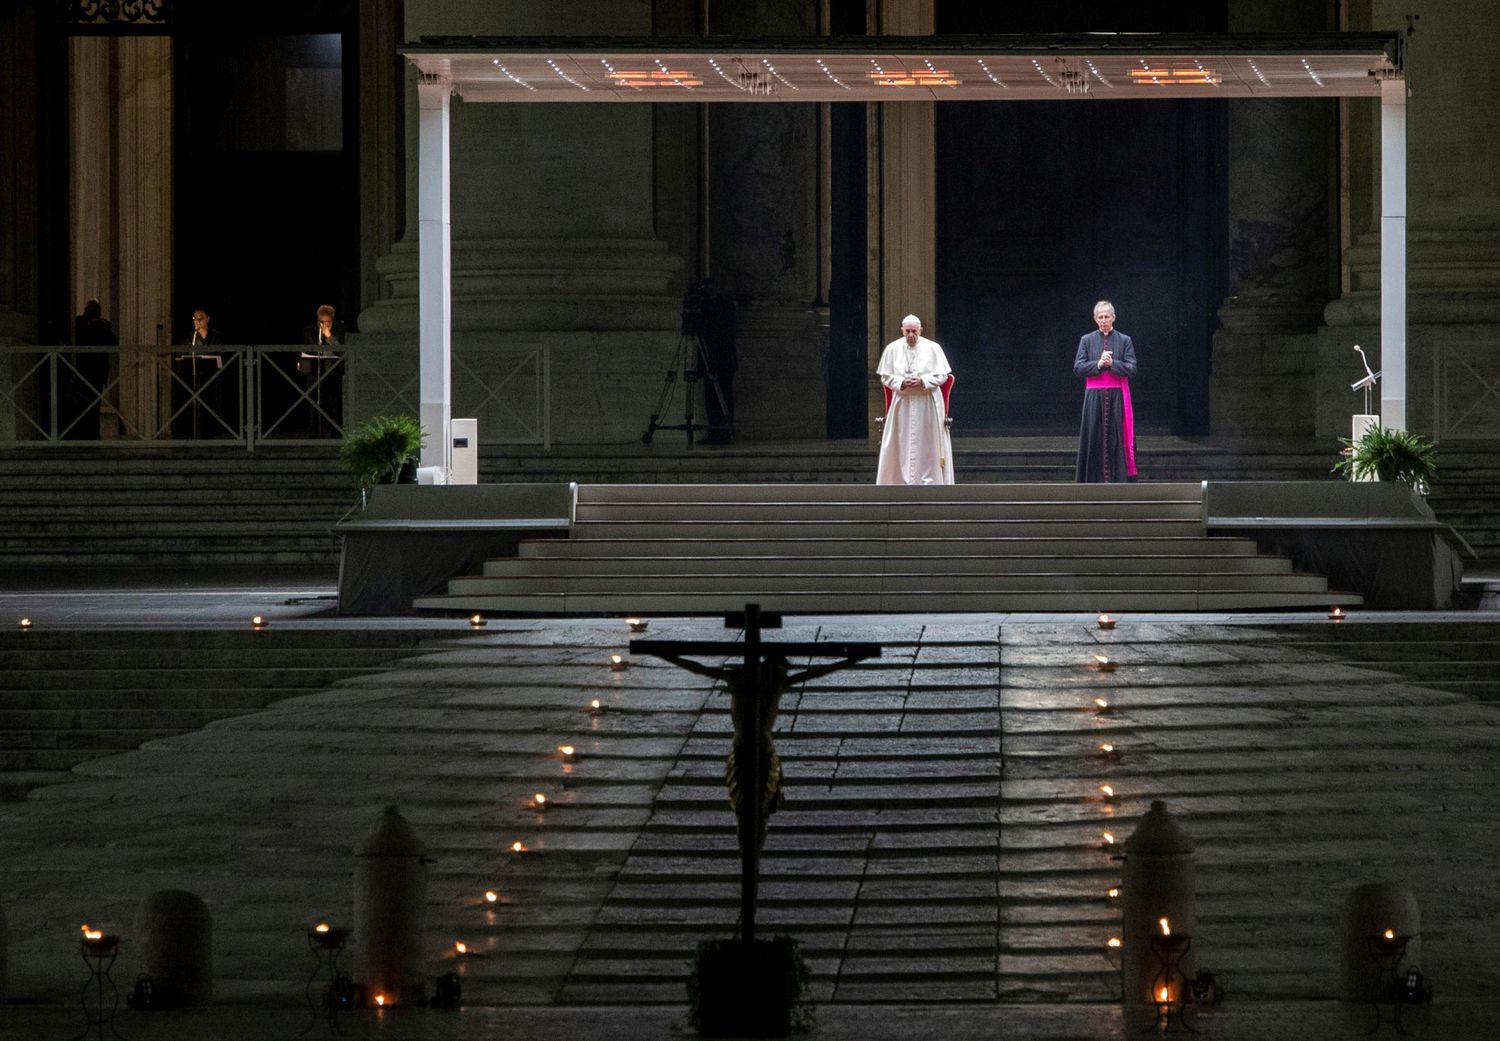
(552, 241)
(1453, 233)
(1283, 242)
(120, 133)
(903, 214)
(763, 242)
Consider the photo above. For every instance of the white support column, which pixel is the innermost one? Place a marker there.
(435, 272)
(1393, 254)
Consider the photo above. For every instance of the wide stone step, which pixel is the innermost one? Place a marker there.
(647, 494)
(772, 512)
(826, 602)
(843, 564)
(913, 582)
(218, 701)
(203, 676)
(1122, 529)
(1089, 545)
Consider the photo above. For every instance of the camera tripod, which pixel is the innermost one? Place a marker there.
(689, 376)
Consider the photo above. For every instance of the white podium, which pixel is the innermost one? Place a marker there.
(465, 468)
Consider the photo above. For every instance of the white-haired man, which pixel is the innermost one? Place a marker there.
(915, 448)
(1106, 435)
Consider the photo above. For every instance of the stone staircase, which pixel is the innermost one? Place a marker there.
(844, 549)
(87, 506)
(72, 696)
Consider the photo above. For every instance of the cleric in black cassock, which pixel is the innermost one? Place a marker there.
(1106, 434)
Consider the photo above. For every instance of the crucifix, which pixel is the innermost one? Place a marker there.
(753, 770)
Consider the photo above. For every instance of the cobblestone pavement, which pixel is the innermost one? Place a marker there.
(941, 841)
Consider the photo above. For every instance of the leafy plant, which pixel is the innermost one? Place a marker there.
(1389, 455)
(375, 451)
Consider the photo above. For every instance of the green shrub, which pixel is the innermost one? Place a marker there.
(375, 451)
(1390, 455)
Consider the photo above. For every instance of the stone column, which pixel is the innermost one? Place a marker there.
(1282, 245)
(552, 242)
(903, 179)
(1453, 231)
(762, 241)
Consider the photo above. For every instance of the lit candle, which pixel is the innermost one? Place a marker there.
(1113, 893)
(518, 846)
(477, 621)
(1109, 838)
(258, 622)
(380, 1000)
(1108, 790)
(637, 625)
(1114, 941)
(1389, 934)
(1102, 704)
(1166, 927)
(460, 947)
(618, 663)
(596, 707)
(490, 896)
(1163, 994)
(1106, 748)
(321, 927)
(1103, 664)
(25, 623)
(539, 800)
(1335, 614)
(1106, 622)
(567, 751)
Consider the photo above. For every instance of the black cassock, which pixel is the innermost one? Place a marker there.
(1106, 431)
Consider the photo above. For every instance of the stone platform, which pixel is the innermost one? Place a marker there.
(940, 844)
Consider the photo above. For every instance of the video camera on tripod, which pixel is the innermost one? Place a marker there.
(708, 329)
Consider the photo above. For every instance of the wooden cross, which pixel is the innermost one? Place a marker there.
(755, 688)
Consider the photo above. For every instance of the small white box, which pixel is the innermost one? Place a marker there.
(465, 468)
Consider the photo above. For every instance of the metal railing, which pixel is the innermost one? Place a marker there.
(251, 395)
(1465, 393)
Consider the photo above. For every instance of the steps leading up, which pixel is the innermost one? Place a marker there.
(72, 696)
(836, 548)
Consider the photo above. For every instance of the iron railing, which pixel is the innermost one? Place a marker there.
(250, 395)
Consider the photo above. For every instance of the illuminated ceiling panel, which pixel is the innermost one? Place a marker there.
(1090, 67)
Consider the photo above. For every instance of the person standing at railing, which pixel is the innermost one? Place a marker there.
(322, 373)
(83, 382)
(200, 392)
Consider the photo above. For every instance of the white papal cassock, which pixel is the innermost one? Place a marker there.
(915, 448)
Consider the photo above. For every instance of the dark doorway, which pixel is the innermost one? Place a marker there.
(267, 169)
(1044, 208)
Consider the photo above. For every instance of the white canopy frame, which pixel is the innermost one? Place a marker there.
(1095, 66)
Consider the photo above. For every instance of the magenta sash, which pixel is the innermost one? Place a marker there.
(1103, 381)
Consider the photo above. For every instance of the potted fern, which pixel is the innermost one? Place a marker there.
(1390, 455)
(383, 450)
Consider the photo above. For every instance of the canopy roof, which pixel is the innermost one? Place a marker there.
(1096, 66)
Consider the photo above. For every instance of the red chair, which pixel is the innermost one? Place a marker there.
(947, 389)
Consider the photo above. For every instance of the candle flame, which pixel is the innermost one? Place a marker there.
(1106, 748)
(25, 623)
(380, 1000)
(541, 800)
(1109, 839)
(1108, 790)
(518, 846)
(1114, 941)
(1114, 892)
(595, 704)
(1166, 927)
(1163, 994)
(92, 934)
(461, 947)
(615, 659)
(1101, 659)
(566, 749)
(1389, 934)
(1101, 703)
(321, 927)
(490, 896)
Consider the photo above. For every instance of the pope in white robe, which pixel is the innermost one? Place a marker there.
(916, 447)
